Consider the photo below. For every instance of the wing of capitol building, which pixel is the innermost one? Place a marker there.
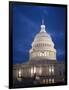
(42, 66)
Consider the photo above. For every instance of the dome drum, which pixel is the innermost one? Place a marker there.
(43, 55)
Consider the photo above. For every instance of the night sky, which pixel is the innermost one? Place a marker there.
(26, 24)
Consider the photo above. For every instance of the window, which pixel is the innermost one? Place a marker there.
(47, 53)
(49, 80)
(46, 81)
(40, 71)
(32, 71)
(40, 54)
(52, 69)
(19, 73)
(49, 70)
(37, 70)
(51, 53)
(53, 80)
(43, 81)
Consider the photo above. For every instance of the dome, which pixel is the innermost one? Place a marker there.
(42, 46)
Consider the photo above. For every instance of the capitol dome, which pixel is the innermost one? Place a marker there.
(42, 46)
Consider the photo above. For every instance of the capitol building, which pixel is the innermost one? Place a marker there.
(42, 66)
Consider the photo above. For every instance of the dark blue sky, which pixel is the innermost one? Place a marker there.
(26, 24)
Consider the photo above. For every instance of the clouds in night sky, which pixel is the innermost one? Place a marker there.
(26, 24)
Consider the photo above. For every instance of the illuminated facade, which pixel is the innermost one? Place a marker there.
(42, 64)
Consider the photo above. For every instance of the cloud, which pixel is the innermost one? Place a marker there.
(27, 21)
(57, 34)
(60, 52)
